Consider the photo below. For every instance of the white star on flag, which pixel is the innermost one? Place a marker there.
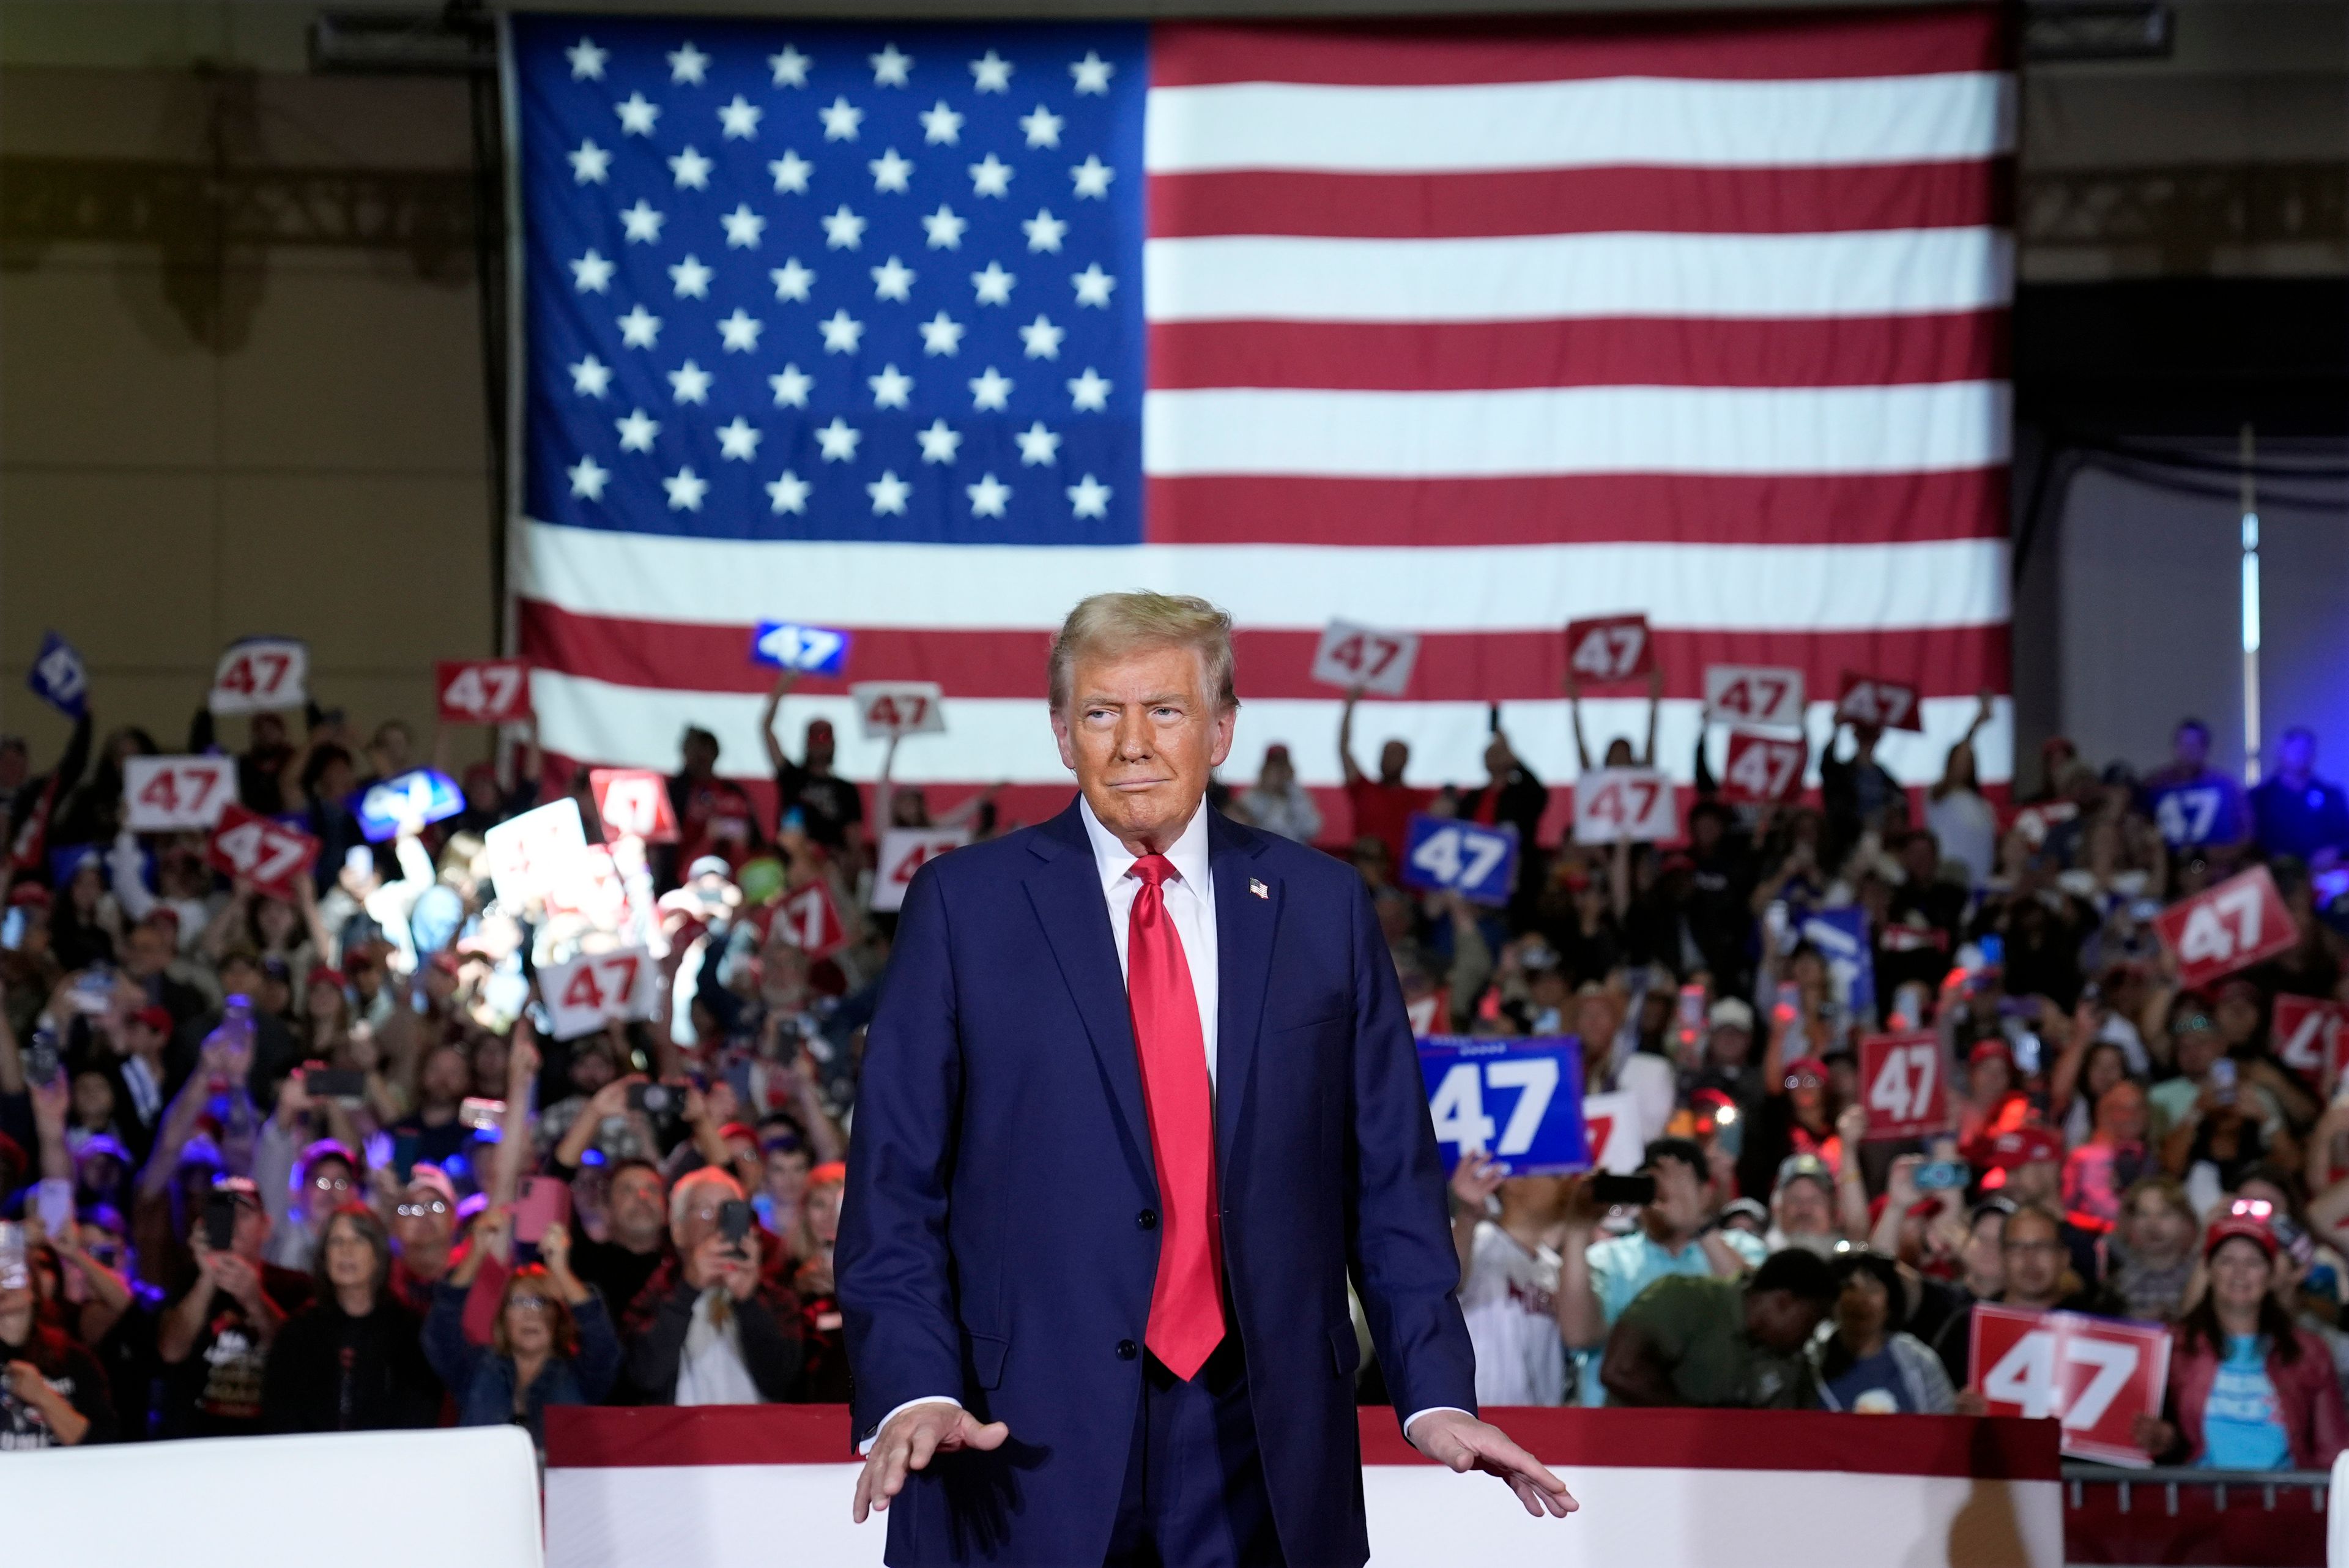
(1037, 445)
(687, 66)
(1042, 338)
(639, 328)
(1044, 126)
(636, 431)
(838, 440)
(893, 279)
(840, 333)
(990, 177)
(738, 439)
(889, 494)
(1093, 286)
(741, 332)
(590, 164)
(938, 441)
(743, 227)
(991, 390)
(789, 493)
(586, 61)
(739, 118)
(988, 496)
(591, 377)
(994, 284)
(685, 488)
(587, 478)
(843, 231)
(640, 224)
(945, 228)
(1089, 497)
(941, 126)
(840, 120)
(1044, 231)
(890, 66)
(690, 278)
(692, 170)
(690, 383)
(789, 68)
(891, 388)
(591, 274)
(790, 171)
(941, 334)
(792, 388)
(1093, 176)
(993, 73)
(637, 115)
(792, 280)
(1090, 391)
(1092, 73)
(890, 171)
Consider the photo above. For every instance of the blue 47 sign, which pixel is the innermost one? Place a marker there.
(1448, 856)
(58, 679)
(810, 650)
(1519, 1101)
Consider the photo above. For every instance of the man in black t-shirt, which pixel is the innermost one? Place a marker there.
(214, 1338)
(830, 807)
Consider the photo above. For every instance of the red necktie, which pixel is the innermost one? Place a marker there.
(1186, 1305)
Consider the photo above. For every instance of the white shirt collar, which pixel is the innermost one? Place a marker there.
(1188, 852)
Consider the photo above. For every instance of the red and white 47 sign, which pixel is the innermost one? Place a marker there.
(271, 856)
(1637, 804)
(810, 922)
(887, 708)
(1611, 1124)
(2095, 1375)
(1887, 704)
(594, 989)
(903, 851)
(1904, 1089)
(2232, 926)
(633, 803)
(1763, 767)
(160, 794)
(1352, 657)
(262, 675)
(1761, 694)
(1610, 647)
(2306, 1037)
(482, 690)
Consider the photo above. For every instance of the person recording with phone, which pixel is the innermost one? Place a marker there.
(53, 1392)
(715, 1325)
(216, 1334)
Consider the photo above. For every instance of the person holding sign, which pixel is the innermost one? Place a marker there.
(1185, 1004)
(1383, 806)
(2194, 804)
(1618, 749)
(1509, 1279)
(1857, 790)
(830, 808)
(714, 815)
(2250, 1389)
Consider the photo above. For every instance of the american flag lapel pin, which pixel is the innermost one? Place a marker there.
(1258, 888)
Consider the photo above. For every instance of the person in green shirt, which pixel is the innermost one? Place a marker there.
(1723, 1344)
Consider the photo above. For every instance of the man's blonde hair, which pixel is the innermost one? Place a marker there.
(1111, 624)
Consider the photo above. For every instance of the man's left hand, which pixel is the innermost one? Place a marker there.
(1463, 1443)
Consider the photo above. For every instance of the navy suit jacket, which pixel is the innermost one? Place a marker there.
(993, 1245)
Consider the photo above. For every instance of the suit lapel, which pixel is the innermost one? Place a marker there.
(1065, 889)
(1244, 928)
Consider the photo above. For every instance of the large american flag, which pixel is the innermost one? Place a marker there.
(1469, 329)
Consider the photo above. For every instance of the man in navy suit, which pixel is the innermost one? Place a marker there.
(1138, 1099)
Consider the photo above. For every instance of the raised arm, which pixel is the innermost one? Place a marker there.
(1655, 707)
(784, 680)
(1573, 688)
(1352, 773)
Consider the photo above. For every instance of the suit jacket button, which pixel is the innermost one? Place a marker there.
(1127, 1350)
(1146, 1220)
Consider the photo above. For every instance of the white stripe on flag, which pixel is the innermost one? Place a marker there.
(1721, 587)
(1011, 739)
(1605, 121)
(1544, 278)
(1577, 430)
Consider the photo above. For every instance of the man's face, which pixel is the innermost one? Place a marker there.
(639, 1207)
(2193, 747)
(147, 952)
(1731, 1046)
(1393, 757)
(2123, 1112)
(2035, 1181)
(591, 1070)
(446, 1075)
(2296, 753)
(1782, 1322)
(823, 1212)
(819, 745)
(2035, 1260)
(1680, 1204)
(252, 1229)
(424, 1222)
(2196, 1049)
(701, 756)
(787, 1174)
(1143, 733)
(1803, 1208)
(329, 1186)
(268, 731)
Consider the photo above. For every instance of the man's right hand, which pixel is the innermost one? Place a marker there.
(907, 1443)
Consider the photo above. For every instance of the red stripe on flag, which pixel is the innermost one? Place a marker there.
(1465, 667)
(1859, 42)
(1578, 509)
(1676, 201)
(1624, 351)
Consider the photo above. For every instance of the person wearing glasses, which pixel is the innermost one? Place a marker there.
(423, 1235)
(2039, 1278)
(551, 1343)
(351, 1360)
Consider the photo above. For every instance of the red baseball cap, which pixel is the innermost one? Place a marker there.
(159, 1019)
(1806, 1066)
(2251, 1227)
(29, 893)
(1995, 1046)
(326, 974)
(2026, 1145)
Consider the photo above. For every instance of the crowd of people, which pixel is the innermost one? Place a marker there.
(320, 1162)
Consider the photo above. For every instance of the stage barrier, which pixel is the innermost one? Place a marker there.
(1662, 1488)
